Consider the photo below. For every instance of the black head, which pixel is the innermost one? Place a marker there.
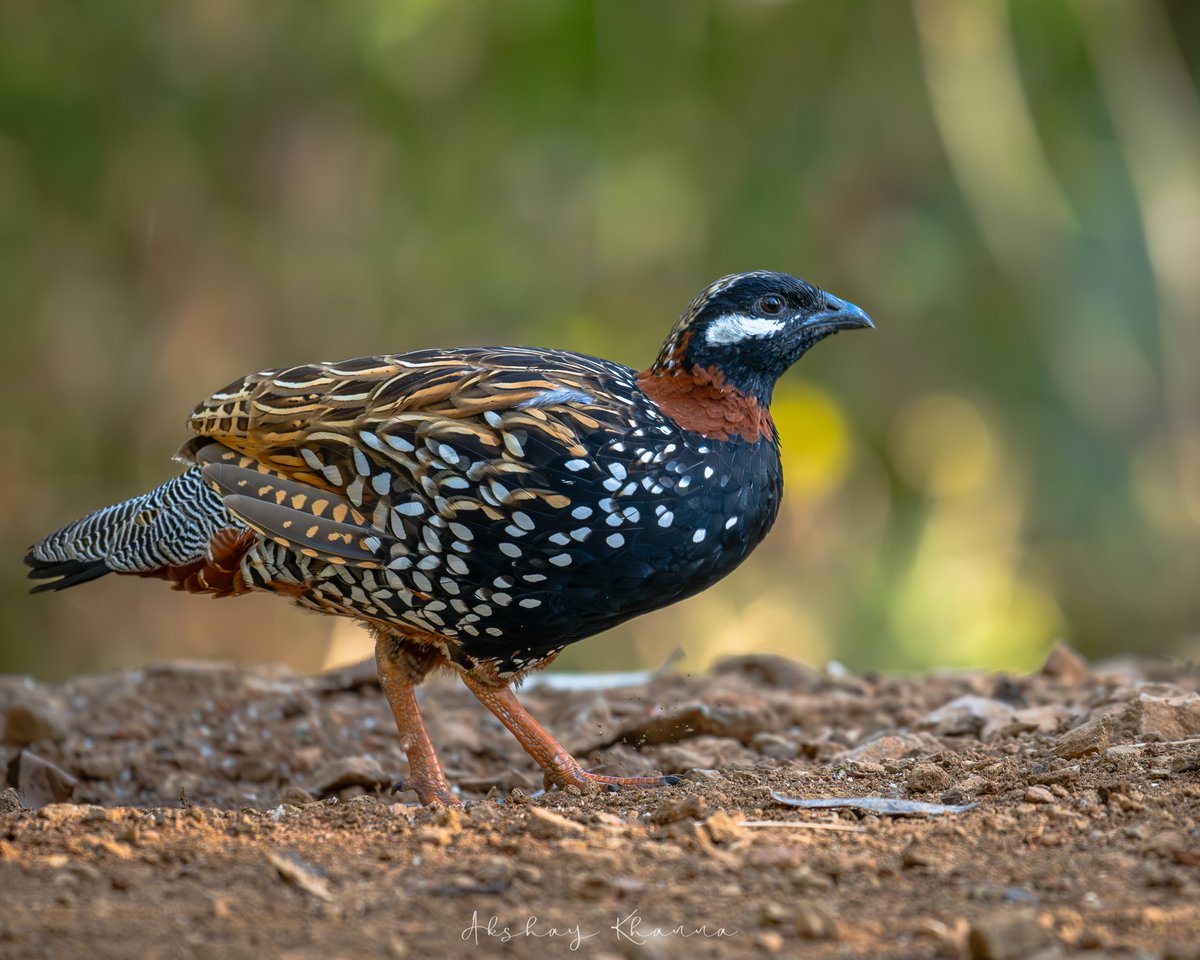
(752, 327)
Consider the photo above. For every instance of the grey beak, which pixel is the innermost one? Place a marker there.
(838, 315)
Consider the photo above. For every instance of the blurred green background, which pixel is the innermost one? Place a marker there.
(190, 191)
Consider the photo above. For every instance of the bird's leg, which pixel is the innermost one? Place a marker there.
(400, 669)
(561, 769)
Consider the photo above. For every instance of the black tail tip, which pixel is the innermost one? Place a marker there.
(61, 574)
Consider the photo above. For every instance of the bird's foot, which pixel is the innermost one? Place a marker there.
(429, 794)
(563, 775)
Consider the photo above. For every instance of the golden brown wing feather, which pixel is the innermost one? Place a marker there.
(336, 459)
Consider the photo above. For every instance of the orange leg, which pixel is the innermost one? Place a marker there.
(562, 769)
(399, 673)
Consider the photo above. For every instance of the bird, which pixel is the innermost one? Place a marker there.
(478, 509)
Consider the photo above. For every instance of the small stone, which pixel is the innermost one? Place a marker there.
(1038, 795)
(33, 717)
(1066, 664)
(769, 941)
(701, 774)
(61, 812)
(1012, 936)
(815, 923)
(927, 777)
(722, 829)
(295, 796)
(774, 746)
(973, 715)
(966, 789)
(894, 746)
(548, 825)
(1166, 718)
(39, 781)
(774, 914)
(349, 772)
(10, 801)
(1093, 736)
(915, 855)
(670, 811)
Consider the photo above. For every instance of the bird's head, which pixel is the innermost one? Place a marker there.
(750, 327)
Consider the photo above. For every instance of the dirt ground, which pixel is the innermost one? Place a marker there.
(201, 810)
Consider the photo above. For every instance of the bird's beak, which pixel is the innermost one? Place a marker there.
(837, 315)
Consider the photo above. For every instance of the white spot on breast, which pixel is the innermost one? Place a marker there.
(429, 563)
(666, 519)
(730, 522)
(559, 539)
(413, 508)
(455, 565)
(529, 603)
(699, 535)
(522, 520)
(581, 513)
(612, 484)
(423, 583)
(510, 550)
(581, 533)
(708, 472)
(561, 559)
(361, 464)
(455, 483)
(617, 470)
(382, 482)
(461, 531)
(684, 483)
(399, 443)
(448, 453)
(311, 459)
(615, 540)
(576, 465)
(534, 577)
(501, 598)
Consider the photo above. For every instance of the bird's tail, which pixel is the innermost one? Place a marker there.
(178, 531)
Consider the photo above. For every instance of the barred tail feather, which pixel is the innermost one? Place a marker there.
(169, 529)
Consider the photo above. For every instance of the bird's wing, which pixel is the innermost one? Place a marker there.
(341, 460)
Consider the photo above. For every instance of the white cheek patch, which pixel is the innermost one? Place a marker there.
(734, 328)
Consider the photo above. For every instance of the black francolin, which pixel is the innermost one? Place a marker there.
(478, 508)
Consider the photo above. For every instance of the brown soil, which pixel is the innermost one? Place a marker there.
(219, 812)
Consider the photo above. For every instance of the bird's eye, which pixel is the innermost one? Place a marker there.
(771, 303)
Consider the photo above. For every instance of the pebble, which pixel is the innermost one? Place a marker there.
(815, 923)
(1092, 736)
(670, 811)
(548, 825)
(39, 781)
(978, 716)
(349, 772)
(927, 777)
(722, 829)
(1012, 936)
(1067, 664)
(31, 719)
(893, 746)
(1166, 718)
(1038, 795)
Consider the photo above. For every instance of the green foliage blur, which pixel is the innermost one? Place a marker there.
(190, 191)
